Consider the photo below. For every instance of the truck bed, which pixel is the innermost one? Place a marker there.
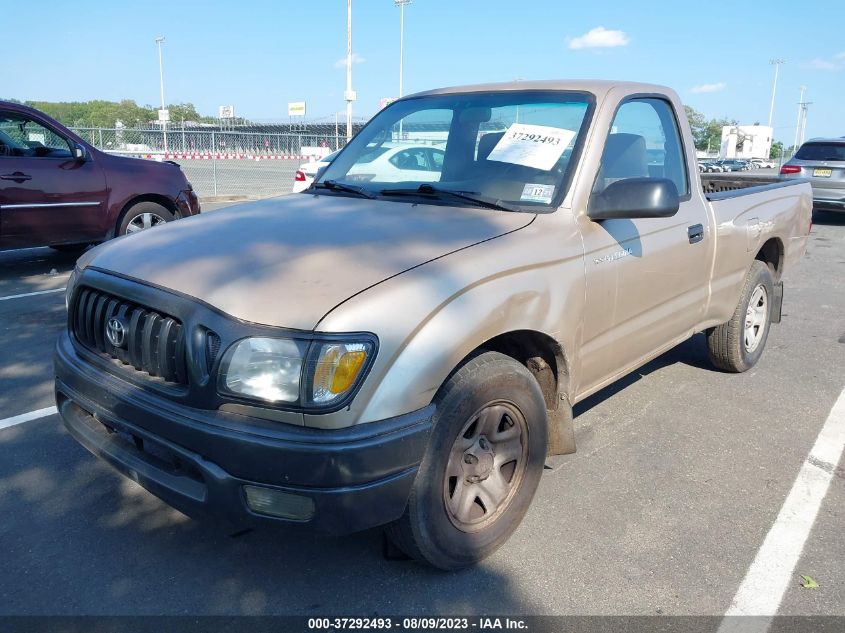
(719, 187)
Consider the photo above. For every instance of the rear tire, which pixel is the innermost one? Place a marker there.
(142, 216)
(737, 345)
(482, 466)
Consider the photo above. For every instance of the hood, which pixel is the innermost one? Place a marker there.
(288, 261)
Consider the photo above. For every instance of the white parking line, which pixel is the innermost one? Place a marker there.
(770, 574)
(32, 294)
(26, 417)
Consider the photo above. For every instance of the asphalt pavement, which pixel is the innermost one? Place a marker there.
(680, 473)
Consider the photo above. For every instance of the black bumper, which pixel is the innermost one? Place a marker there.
(199, 461)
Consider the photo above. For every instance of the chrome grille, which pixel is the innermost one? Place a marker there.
(154, 343)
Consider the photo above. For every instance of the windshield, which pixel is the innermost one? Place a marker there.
(821, 151)
(507, 150)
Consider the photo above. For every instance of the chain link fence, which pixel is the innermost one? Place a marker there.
(255, 161)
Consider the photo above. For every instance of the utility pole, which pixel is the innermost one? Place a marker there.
(401, 4)
(350, 94)
(159, 42)
(798, 122)
(805, 105)
(776, 63)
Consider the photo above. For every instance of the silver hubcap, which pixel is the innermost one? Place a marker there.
(486, 466)
(144, 221)
(755, 318)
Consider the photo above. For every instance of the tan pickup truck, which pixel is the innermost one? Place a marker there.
(402, 343)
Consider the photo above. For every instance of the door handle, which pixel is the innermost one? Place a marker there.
(695, 233)
(17, 177)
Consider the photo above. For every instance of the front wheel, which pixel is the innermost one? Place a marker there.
(142, 216)
(482, 466)
(737, 345)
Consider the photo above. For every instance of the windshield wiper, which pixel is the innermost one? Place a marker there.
(334, 185)
(470, 196)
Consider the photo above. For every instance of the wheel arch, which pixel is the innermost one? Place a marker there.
(771, 253)
(548, 363)
(157, 198)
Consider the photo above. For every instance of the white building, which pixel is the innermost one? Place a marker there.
(746, 141)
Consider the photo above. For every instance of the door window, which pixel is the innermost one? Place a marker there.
(644, 142)
(22, 136)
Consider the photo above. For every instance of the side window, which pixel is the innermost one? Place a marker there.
(644, 142)
(21, 136)
(436, 157)
(412, 159)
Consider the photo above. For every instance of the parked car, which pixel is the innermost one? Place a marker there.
(391, 162)
(304, 176)
(733, 164)
(710, 166)
(408, 354)
(59, 191)
(822, 161)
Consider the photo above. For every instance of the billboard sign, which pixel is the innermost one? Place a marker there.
(296, 108)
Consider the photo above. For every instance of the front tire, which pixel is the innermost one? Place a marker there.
(737, 345)
(482, 466)
(142, 216)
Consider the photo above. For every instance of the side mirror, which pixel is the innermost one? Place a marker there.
(79, 153)
(635, 198)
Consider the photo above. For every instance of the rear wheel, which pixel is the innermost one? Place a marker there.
(142, 216)
(482, 467)
(737, 345)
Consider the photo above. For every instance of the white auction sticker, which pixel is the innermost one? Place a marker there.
(538, 193)
(537, 146)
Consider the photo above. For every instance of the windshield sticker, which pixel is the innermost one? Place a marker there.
(538, 193)
(537, 146)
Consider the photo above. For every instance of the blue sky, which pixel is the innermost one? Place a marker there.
(258, 55)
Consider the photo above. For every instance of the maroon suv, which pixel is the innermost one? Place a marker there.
(57, 190)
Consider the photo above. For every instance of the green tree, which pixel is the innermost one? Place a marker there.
(698, 124)
(777, 149)
(100, 113)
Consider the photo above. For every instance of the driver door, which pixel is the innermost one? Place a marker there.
(46, 195)
(647, 278)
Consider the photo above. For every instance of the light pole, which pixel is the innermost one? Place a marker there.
(159, 42)
(401, 4)
(776, 63)
(350, 94)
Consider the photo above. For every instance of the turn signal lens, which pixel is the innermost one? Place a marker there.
(337, 369)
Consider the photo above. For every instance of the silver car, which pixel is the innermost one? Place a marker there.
(822, 161)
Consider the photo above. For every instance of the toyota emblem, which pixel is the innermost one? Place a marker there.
(115, 332)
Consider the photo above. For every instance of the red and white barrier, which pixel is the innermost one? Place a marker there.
(228, 156)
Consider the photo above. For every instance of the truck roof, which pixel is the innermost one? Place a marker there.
(598, 87)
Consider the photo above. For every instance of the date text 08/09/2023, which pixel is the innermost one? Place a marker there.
(417, 624)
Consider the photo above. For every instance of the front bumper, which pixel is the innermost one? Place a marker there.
(199, 461)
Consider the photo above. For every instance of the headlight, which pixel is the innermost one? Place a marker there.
(295, 372)
(71, 286)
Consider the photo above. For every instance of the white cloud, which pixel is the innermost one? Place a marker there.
(599, 37)
(717, 87)
(834, 63)
(356, 59)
